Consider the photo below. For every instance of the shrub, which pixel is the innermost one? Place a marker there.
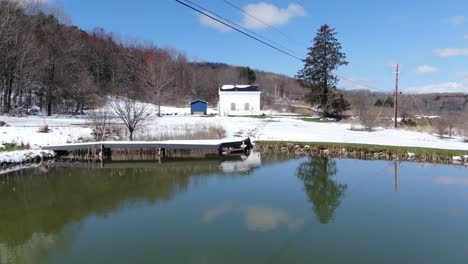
(43, 129)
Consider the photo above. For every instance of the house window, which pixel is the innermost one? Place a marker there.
(233, 107)
(246, 107)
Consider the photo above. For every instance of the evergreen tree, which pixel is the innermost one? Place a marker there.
(247, 75)
(389, 102)
(378, 103)
(324, 57)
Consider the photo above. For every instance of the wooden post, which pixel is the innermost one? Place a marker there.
(220, 151)
(105, 154)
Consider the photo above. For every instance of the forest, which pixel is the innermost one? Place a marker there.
(48, 65)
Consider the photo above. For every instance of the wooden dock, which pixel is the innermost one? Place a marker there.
(222, 146)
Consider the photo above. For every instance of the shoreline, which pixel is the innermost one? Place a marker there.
(298, 149)
(364, 151)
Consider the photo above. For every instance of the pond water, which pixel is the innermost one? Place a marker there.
(257, 210)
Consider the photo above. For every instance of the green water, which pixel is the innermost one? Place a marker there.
(306, 210)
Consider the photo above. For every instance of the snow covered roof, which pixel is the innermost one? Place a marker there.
(239, 88)
(198, 100)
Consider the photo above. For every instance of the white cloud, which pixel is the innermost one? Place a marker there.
(450, 52)
(447, 87)
(457, 20)
(463, 75)
(266, 12)
(209, 22)
(270, 14)
(426, 69)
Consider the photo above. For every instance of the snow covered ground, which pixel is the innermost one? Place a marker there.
(22, 156)
(69, 129)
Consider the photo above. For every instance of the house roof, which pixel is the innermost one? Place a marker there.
(196, 101)
(239, 88)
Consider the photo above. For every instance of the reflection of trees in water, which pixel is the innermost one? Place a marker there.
(44, 202)
(324, 192)
(36, 249)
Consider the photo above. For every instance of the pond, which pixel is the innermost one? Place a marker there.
(271, 209)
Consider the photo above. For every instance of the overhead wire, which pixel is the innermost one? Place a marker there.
(250, 34)
(256, 18)
(242, 10)
(227, 22)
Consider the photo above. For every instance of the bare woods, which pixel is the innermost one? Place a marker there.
(51, 66)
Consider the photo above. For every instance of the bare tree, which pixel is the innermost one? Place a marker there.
(99, 120)
(157, 74)
(132, 113)
(441, 126)
(363, 108)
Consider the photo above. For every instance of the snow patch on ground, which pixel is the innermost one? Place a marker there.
(22, 156)
(277, 127)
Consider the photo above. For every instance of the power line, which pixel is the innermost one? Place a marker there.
(220, 20)
(263, 22)
(256, 18)
(361, 84)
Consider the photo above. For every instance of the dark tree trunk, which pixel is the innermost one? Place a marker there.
(49, 108)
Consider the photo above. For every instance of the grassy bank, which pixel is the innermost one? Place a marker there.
(367, 148)
(11, 147)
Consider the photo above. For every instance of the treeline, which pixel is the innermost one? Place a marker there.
(429, 104)
(54, 67)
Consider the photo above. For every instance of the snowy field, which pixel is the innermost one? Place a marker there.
(70, 129)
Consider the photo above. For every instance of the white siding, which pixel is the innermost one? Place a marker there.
(240, 99)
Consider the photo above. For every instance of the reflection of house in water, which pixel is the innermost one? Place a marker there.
(246, 164)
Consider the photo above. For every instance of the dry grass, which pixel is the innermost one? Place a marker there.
(182, 132)
(43, 129)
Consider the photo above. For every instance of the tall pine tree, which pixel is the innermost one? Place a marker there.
(247, 75)
(317, 76)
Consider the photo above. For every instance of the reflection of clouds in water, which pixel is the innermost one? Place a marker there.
(456, 212)
(449, 180)
(257, 218)
(266, 219)
(211, 215)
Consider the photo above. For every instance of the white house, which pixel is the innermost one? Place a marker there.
(239, 100)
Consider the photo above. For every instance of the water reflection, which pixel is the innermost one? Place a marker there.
(209, 216)
(39, 204)
(259, 218)
(222, 211)
(245, 165)
(450, 180)
(264, 219)
(324, 192)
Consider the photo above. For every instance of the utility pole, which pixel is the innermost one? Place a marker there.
(396, 174)
(396, 97)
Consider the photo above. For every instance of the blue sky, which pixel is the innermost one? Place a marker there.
(428, 38)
